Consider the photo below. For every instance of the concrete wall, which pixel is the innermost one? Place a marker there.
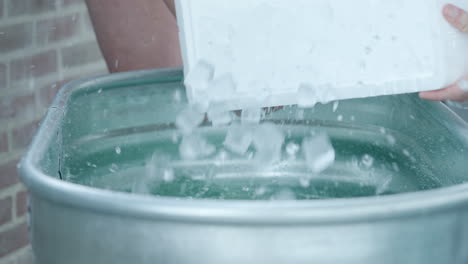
(43, 43)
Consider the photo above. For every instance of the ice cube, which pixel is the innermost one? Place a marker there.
(307, 96)
(222, 88)
(113, 168)
(284, 194)
(200, 76)
(260, 191)
(168, 175)
(221, 158)
(268, 140)
(292, 149)
(177, 96)
(219, 116)
(391, 139)
(318, 152)
(300, 114)
(157, 169)
(189, 119)
(304, 182)
(335, 106)
(175, 138)
(406, 152)
(367, 161)
(195, 147)
(238, 139)
(383, 184)
(251, 116)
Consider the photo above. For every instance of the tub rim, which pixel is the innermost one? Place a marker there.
(329, 211)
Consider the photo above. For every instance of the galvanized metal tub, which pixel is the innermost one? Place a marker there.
(423, 218)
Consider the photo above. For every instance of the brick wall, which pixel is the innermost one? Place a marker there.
(43, 43)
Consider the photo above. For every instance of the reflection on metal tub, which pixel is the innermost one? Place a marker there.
(98, 135)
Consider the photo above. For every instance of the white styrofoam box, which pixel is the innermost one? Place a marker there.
(332, 49)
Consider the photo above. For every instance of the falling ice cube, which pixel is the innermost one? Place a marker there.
(251, 116)
(238, 139)
(195, 147)
(382, 184)
(268, 140)
(199, 76)
(292, 149)
(318, 152)
(218, 115)
(335, 105)
(189, 119)
(157, 169)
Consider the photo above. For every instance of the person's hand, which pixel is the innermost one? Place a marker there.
(458, 18)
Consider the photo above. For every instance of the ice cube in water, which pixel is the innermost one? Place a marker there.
(318, 152)
(335, 106)
(268, 140)
(195, 147)
(367, 161)
(292, 149)
(238, 138)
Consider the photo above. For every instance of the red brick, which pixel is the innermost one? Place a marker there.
(6, 205)
(37, 65)
(21, 203)
(15, 37)
(57, 29)
(24, 7)
(16, 106)
(81, 54)
(8, 174)
(3, 142)
(13, 239)
(3, 75)
(22, 135)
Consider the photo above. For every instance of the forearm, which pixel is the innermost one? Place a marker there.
(137, 34)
